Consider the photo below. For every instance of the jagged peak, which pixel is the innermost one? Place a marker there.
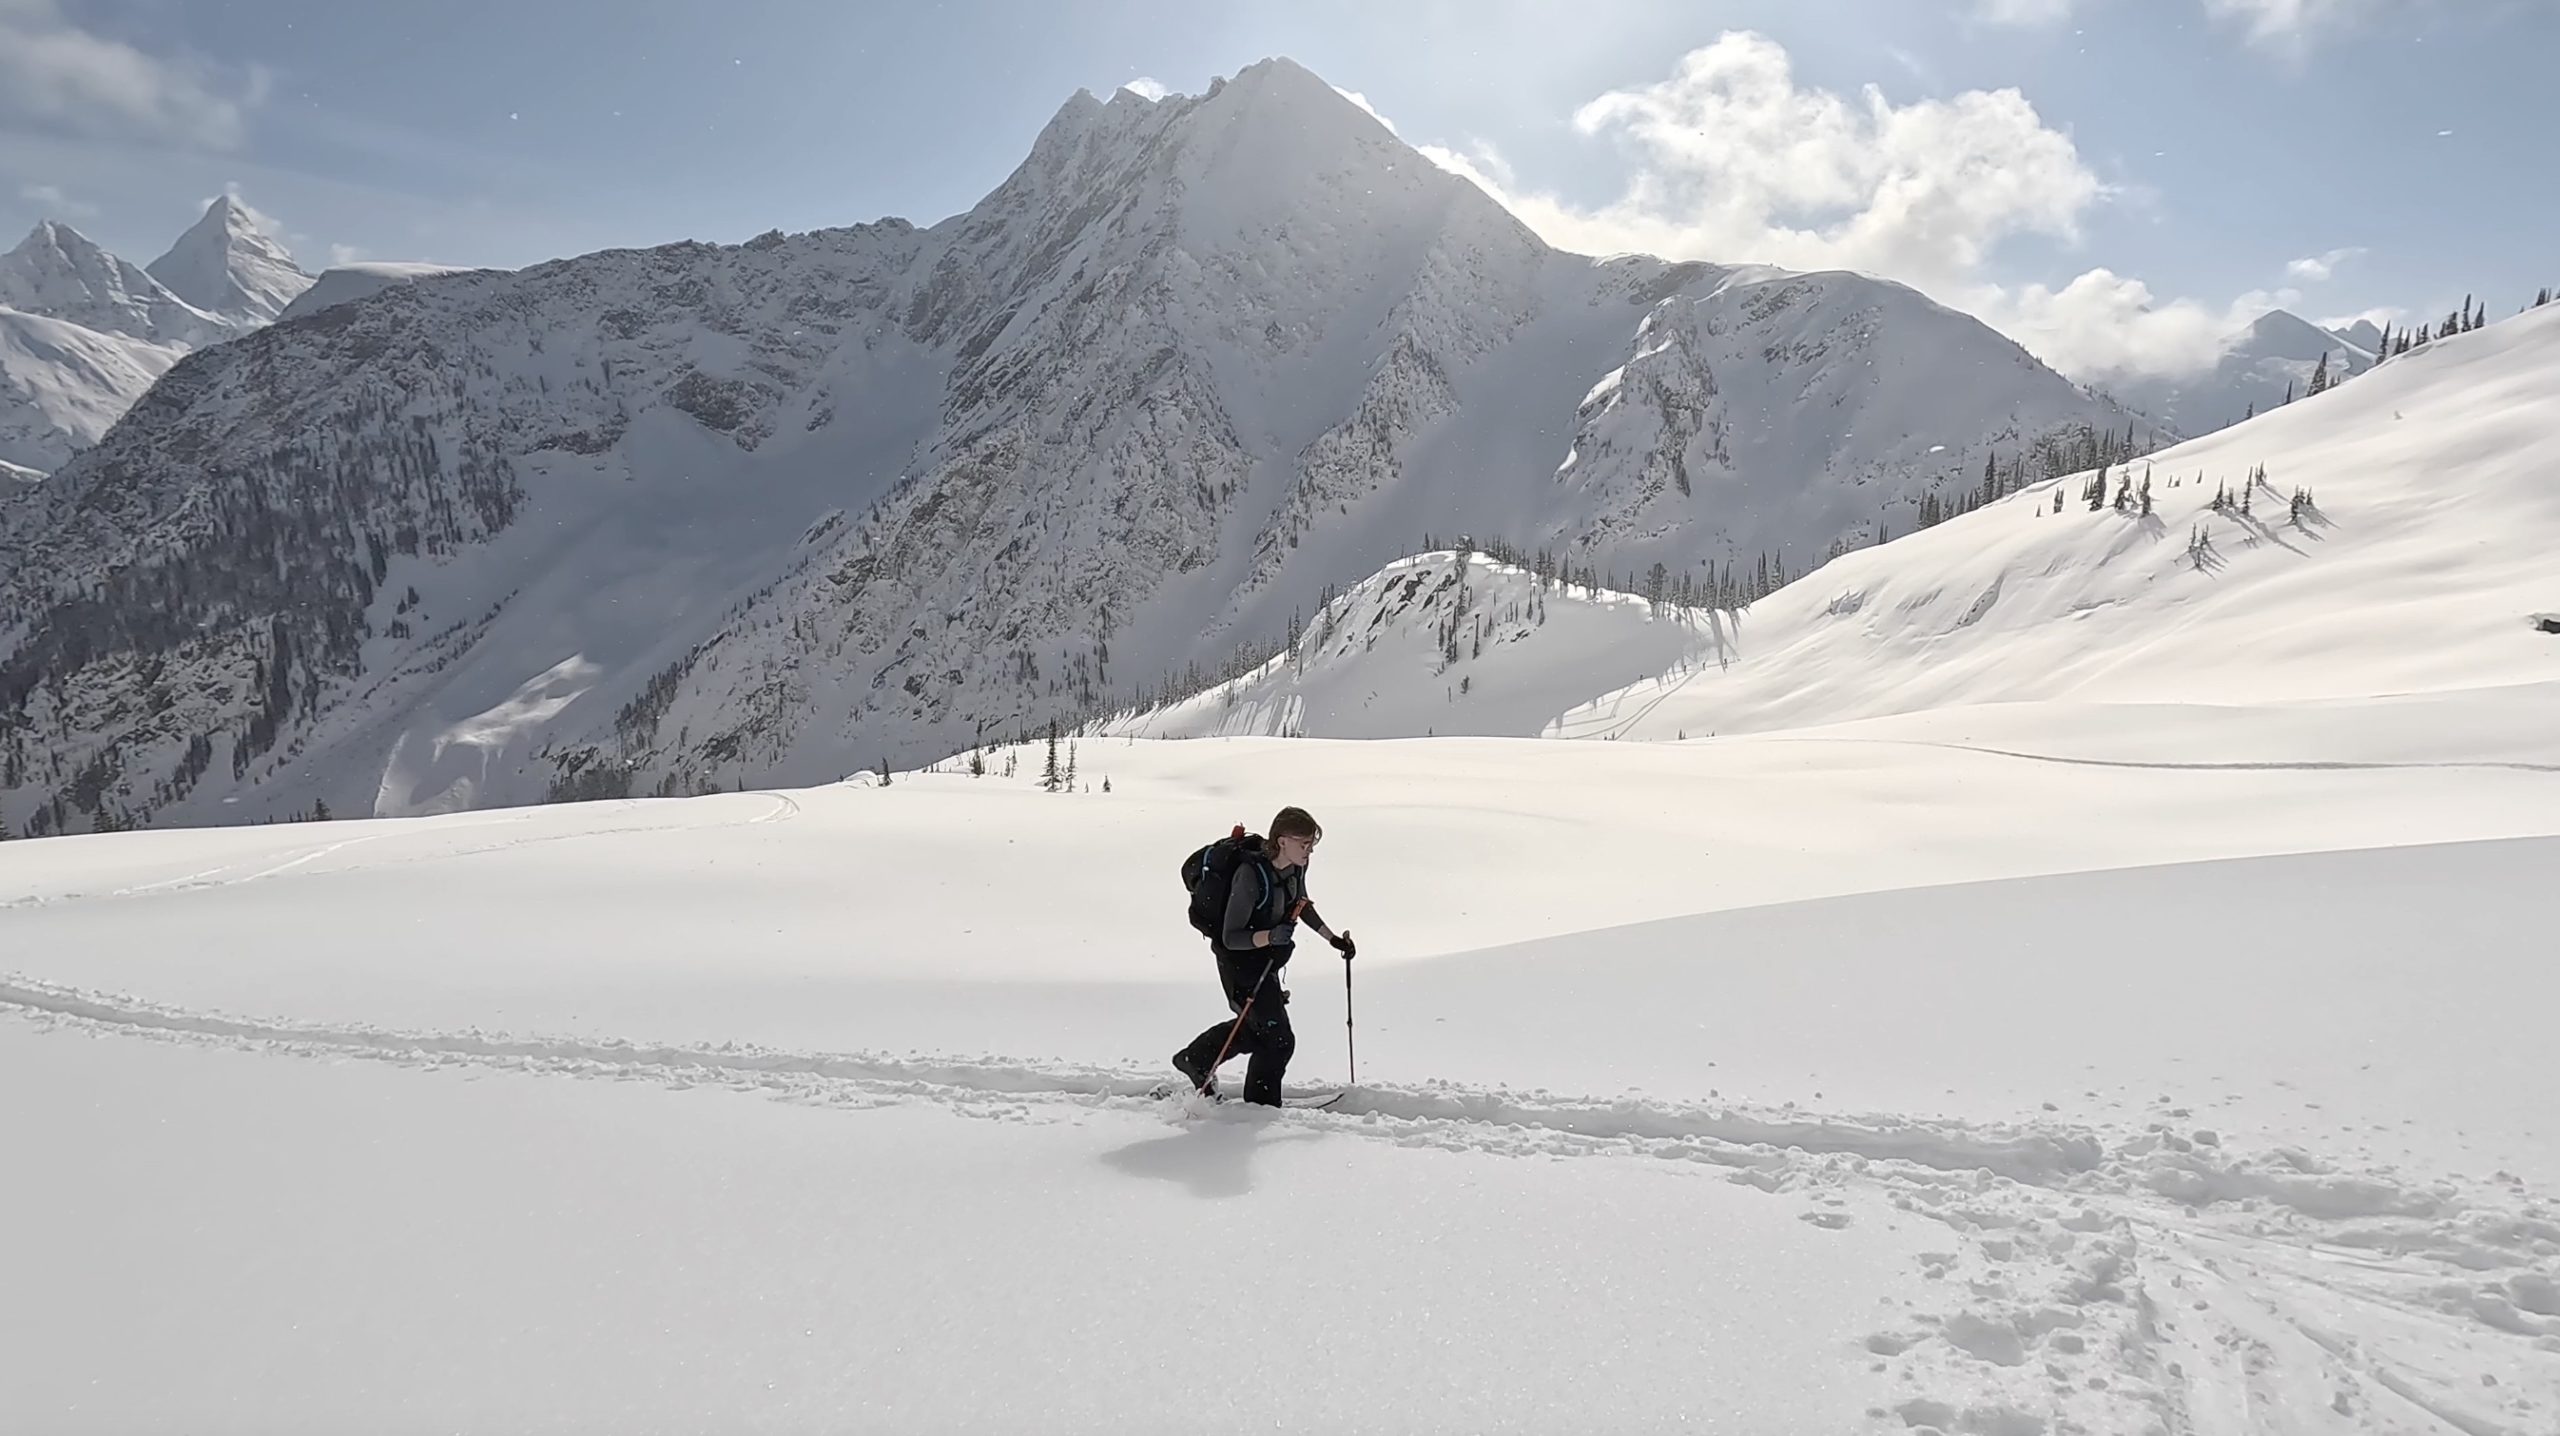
(228, 263)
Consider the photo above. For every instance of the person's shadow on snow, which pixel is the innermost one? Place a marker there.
(1213, 1156)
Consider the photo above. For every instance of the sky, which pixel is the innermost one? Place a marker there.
(2116, 183)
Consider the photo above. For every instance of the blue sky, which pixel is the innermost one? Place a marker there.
(2114, 181)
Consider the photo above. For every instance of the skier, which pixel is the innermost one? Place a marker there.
(1266, 900)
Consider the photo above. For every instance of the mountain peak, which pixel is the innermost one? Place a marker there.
(228, 264)
(59, 273)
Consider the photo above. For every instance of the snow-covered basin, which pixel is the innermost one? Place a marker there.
(1967, 1071)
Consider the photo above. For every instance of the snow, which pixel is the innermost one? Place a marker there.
(2123, 1009)
(634, 1112)
(2035, 975)
(62, 385)
(2428, 480)
(347, 283)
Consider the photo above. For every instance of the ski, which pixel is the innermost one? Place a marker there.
(1305, 1102)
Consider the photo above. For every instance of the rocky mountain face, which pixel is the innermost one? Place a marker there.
(700, 516)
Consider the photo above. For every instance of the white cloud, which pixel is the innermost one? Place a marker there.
(1146, 88)
(56, 74)
(55, 202)
(1733, 161)
(2104, 325)
(2319, 267)
(345, 254)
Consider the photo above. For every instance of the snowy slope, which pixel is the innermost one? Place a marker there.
(755, 1108)
(2415, 570)
(1439, 644)
(63, 385)
(700, 516)
(226, 264)
(2275, 356)
(347, 283)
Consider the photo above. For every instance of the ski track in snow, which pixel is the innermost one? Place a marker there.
(2147, 1281)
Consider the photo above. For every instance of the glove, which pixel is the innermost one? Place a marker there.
(1283, 934)
(1346, 947)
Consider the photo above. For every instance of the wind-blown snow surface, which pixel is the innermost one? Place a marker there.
(2230, 1144)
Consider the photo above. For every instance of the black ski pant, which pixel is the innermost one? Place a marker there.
(1265, 1034)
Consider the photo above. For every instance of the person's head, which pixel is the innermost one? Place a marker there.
(1294, 835)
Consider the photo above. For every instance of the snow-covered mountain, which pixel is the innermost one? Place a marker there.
(684, 518)
(61, 274)
(227, 265)
(2276, 356)
(2383, 583)
(83, 333)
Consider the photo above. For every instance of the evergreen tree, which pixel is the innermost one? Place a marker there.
(977, 763)
(1050, 776)
(2288, 391)
(2320, 375)
(1071, 765)
(1106, 782)
(2146, 493)
(2098, 490)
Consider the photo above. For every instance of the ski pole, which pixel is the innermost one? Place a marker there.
(1350, 1036)
(1242, 1013)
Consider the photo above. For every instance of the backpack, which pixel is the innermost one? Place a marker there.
(1209, 874)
